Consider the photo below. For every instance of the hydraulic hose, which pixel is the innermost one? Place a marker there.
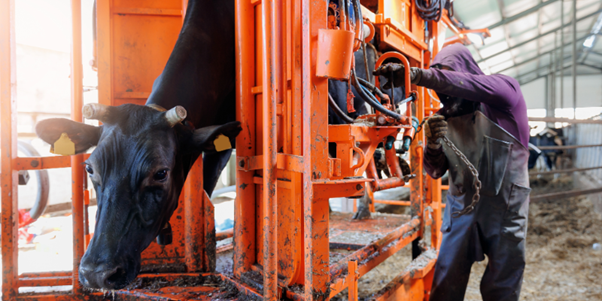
(338, 111)
(364, 93)
(372, 88)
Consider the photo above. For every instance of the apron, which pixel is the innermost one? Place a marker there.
(498, 225)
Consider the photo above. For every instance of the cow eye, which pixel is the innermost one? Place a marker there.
(160, 175)
(89, 169)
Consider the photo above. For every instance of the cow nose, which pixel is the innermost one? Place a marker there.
(103, 276)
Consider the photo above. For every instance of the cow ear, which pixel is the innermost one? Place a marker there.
(82, 135)
(217, 137)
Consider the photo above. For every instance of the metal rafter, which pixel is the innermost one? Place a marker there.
(502, 7)
(541, 35)
(521, 14)
(537, 57)
(539, 26)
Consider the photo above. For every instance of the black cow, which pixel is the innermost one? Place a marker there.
(143, 155)
(548, 137)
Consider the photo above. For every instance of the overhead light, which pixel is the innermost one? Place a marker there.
(589, 42)
(475, 38)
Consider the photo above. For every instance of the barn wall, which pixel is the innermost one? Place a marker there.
(588, 157)
(589, 92)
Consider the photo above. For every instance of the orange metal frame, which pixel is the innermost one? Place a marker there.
(285, 176)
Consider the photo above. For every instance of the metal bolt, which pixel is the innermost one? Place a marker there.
(359, 187)
(35, 163)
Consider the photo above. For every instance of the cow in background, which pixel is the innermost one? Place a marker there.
(547, 137)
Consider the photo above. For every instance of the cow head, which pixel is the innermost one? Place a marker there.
(138, 169)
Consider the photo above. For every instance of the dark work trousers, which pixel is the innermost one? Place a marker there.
(498, 225)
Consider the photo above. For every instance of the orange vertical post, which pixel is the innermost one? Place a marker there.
(77, 168)
(272, 95)
(244, 205)
(9, 176)
(315, 152)
(193, 195)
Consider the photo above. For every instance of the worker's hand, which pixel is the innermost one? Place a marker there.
(435, 128)
(398, 73)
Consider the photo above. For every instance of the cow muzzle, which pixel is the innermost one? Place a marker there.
(103, 276)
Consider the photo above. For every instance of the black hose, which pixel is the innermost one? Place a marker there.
(358, 12)
(370, 99)
(338, 111)
(430, 10)
(372, 88)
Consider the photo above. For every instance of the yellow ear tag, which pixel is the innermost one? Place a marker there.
(222, 143)
(64, 146)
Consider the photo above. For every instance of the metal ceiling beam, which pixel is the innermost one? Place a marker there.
(565, 66)
(502, 7)
(541, 35)
(521, 14)
(537, 57)
(544, 75)
(539, 26)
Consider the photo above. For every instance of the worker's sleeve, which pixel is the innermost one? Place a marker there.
(496, 90)
(435, 162)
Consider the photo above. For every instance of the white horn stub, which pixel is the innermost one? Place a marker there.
(94, 111)
(175, 115)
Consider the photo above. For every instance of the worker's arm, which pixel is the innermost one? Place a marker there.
(435, 162)
(499, 91)
(495, 90)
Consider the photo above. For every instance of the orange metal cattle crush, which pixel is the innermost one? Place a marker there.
(284, 235)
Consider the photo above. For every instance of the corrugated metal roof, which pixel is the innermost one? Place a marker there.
(525, 40)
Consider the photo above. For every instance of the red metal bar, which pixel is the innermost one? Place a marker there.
(272, 95)
(77, 167)
(244, 205)
(8, 143)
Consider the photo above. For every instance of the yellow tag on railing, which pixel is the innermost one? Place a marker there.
(64, 146)
(222, 143)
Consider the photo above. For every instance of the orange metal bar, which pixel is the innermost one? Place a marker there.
(36, 163)
(224, 234)
(77, 167)
(273, 94)
(244, 205)
(8, 143)
(46, 274)
(362, 254)
(55, 281)
(340, 283)
(352, 277)
(389, 202)
(193, 216)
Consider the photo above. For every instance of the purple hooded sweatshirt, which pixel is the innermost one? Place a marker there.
(500, 97)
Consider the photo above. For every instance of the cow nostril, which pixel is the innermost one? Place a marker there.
(115, 278)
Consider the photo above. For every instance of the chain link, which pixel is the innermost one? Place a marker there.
(477, 183)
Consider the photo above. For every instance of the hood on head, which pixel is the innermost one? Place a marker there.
(458, 58)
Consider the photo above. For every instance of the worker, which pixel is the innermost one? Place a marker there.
(485, 117)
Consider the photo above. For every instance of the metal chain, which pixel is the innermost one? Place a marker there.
(477, 183)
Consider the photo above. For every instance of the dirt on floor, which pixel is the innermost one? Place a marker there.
(561, 261)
